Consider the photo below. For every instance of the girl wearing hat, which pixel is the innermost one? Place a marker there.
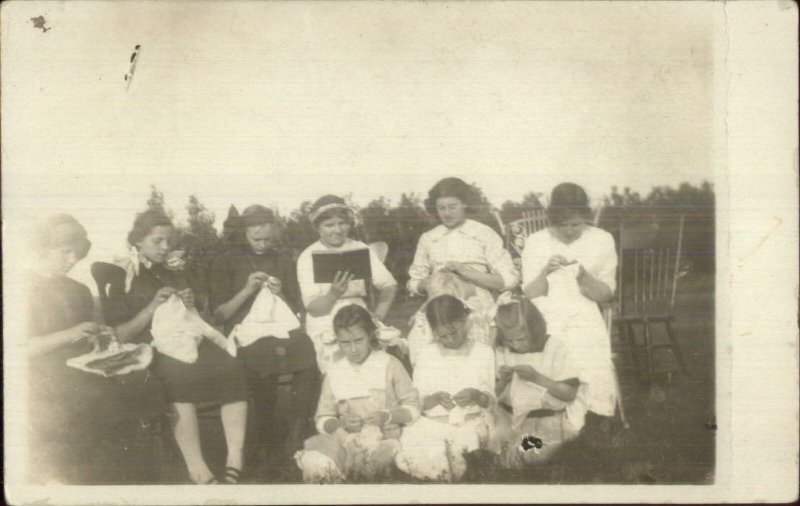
(333, 218)
(73, 414)
(567, 268)
(253, 262)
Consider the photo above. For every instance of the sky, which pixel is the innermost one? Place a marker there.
(281, 102)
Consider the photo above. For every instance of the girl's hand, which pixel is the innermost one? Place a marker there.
(187, 296)
(467, 397)
(161, 296)
(528, 373)
(82, 331)
(255, 281)
(341, 281)
(379, 418)
(505, 372)
(445, 400)
(554, 263)
(353, 423)
(274, 284)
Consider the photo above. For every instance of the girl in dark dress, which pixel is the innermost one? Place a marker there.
(236, 278)
(214, 377)
(74, 415)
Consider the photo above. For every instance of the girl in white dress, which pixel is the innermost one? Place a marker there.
(333, 219)
(366, 400)
(468, 249)
(455, 377)
(567, 269)
(540, 399)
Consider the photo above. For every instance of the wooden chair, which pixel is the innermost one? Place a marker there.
(648, 281)
(110, 281)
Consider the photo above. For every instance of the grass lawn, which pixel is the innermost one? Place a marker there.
(671, 434)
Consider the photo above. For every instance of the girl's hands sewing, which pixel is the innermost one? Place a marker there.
(469, 397)
(353, 423)
(379, 418)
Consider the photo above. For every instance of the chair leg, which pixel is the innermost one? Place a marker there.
(648, 344)
(626, 331)
(622, 418)
(676, 349)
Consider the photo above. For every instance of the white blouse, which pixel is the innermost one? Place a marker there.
(594, 249)
(472, 243)
(441, 369)
(356, 291)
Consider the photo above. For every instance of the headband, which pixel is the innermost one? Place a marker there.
(313, 215)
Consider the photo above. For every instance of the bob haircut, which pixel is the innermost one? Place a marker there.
(452, 187)
(519, 314)
(567, 201)
(354, 315)
(145, 223)
(58, 231)
(338, 208)
(445, 310)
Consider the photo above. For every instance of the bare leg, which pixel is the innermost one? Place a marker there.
(234, 422)
(187, 435)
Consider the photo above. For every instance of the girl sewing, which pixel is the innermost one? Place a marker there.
(366, 399)
(538, 386)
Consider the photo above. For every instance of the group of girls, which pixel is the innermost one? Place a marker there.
(488, 371)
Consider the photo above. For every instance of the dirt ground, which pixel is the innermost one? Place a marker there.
(672, 421)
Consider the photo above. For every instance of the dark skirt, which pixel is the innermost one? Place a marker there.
(271, 356)
(214, 377)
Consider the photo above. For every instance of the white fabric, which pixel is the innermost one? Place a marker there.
(571, 316)
(554, 361)
(268, 316)
(432, 450)
(177, 331)
(320, 328)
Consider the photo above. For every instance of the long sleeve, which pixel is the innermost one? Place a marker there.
(381, 277)
(534, 258)
(326, 407)
(606, 260)
(499, 260)
(219, 282)
(421, 267)
(403, 388)
(489, 373)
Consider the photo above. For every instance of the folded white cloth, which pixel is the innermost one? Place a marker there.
(178, 330)
(269, 316)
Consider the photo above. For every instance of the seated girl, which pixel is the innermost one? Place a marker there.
(455, 377)
(210, 375)
(479, 323)
(540, 399)
(366, 399)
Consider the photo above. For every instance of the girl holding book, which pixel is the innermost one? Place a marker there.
(332, 218)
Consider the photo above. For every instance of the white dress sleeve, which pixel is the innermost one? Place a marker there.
(425, 373)
(534, 258)
(381, 277)
(605, 268)
(499, 260)
(421, 267)
(305, 278)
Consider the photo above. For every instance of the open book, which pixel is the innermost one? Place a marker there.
(327, 263)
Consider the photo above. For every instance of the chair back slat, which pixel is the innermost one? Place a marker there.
(648, 279)
(518, 231)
